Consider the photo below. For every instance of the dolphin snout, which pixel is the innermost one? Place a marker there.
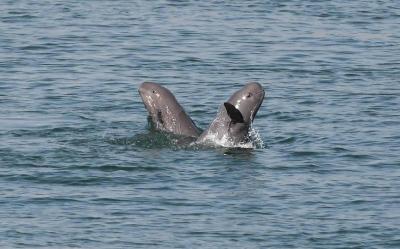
(145, 88)
(142, 87)
(140, 90)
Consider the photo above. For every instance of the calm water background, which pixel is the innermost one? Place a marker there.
(78, 170)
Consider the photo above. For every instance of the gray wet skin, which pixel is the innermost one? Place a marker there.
(235, 116)
(165, 111)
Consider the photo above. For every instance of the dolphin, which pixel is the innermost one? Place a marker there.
(235, 116)
(165, 111)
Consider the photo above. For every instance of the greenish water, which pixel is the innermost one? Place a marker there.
(80, 169)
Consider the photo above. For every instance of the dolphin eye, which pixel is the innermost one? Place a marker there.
(249, 95)
(153, 91)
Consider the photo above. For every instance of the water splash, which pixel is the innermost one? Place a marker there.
(254, 142)
(255, 138)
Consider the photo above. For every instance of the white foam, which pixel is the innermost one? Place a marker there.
(255, 138)
(254, 142)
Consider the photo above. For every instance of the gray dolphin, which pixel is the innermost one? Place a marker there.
(235, 116)
(165, 111)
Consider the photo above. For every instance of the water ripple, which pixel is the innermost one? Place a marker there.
(79, 167)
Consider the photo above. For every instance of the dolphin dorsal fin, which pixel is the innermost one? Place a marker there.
(233, 113)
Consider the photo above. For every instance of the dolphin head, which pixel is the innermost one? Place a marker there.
(164, 110)
(160, 104)
(156, 97)
(236, 115)
(243, 105)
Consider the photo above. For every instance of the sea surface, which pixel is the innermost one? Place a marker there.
(79, 167)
